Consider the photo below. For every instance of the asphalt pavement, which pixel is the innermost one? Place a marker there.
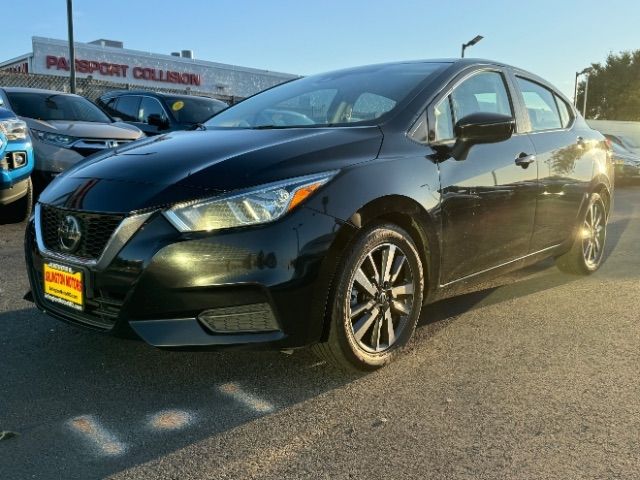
(534, 375)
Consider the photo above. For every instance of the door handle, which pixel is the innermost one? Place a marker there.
(524, 160)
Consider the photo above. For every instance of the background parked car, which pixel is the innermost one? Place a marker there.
(64, 129)
(155, 113)
(16, 165)
(627, 164)
(626, 134)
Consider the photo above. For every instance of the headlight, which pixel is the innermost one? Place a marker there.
(14, 129)
(262, 204)
(53, 138)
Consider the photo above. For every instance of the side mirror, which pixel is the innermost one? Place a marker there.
(158, 120)
(485, 128)
(477, 128)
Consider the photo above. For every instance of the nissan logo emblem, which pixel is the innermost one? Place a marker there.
(69, 233)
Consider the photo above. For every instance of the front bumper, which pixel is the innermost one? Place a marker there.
(16, 191)
(161, 281)
(627, 172)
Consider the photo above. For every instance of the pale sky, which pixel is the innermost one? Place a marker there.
(551, 38)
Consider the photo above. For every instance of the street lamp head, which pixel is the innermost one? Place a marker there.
(475, 40)
(586, 70)
(470, 43)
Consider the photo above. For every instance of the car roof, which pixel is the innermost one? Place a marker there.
(114, 93)
(36, 90)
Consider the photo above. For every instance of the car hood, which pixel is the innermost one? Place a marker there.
(182, 166)
(116, 130)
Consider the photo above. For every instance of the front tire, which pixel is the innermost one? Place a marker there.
(587, 252)
(376, 300)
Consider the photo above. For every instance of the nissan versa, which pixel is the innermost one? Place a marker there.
(326, 211)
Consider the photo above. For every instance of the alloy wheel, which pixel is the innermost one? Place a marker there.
(594, 234)
(381, 298)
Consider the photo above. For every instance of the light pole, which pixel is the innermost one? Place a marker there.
(575, 92)
(72, 48)
(470, 43)
(586, 91)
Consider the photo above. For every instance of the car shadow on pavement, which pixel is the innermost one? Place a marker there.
(86, 405)
(91, 405)
(5, 221)
(533, 279)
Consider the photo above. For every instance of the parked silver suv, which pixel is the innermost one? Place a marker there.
(64, 128)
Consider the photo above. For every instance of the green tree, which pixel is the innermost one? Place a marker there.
(614, 88)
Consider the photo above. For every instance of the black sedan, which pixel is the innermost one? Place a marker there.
(155, 112)
(627, 164)
(325, 212)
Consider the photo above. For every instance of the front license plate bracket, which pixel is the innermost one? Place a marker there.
(64, 285)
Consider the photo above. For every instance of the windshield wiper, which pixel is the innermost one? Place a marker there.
(270, 127)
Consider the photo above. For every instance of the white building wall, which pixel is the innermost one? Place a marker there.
(50, 57)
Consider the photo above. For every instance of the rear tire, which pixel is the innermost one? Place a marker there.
(19, 210)
(587, 251)
(376, 300)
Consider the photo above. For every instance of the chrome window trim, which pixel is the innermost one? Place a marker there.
(120, 236)
(166, 114)
(99, 143)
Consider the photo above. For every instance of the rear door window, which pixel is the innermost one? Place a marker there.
(541, 106)
(128, 108)
(151, 106)
(110, 106)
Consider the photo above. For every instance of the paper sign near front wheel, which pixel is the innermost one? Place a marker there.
(63, 285)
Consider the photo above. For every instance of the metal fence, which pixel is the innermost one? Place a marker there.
(91, 88)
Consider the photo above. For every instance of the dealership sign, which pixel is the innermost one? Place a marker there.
(93, 67)
(145, 69)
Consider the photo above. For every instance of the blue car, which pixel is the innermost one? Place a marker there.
(16, 165)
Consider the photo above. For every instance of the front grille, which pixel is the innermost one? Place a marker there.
(87, 146)
(102, 306)
(103, 310)
(96, 229)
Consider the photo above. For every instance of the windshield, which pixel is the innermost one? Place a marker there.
(193, 110)
(355, 96)
(53, 106)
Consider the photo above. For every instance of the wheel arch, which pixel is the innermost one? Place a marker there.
(399, 210)
(603, 188)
